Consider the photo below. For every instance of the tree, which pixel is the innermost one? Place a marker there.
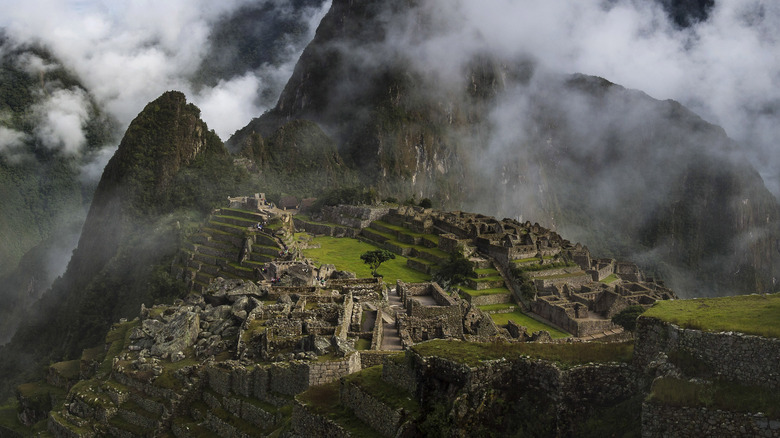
(375, 258)
(426, 203)
(627, 317)
(456, 270)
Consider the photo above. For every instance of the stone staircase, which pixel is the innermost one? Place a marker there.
(228, 246)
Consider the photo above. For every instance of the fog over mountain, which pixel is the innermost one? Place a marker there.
(128, 53)
(721, 62)
(232, 59)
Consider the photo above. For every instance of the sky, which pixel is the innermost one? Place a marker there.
(725, 68)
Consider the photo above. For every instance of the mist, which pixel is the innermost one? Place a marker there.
(724, 66)
(129, 53)
(123, 55)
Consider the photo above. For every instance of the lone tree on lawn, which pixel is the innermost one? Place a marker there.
(375, 258)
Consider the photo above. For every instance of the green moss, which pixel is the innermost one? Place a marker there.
(726, 396)
(610, 279)
(472, 353)
(370, 380)
(363, 344)
(479, 293)
(323, 400)
(526, 321)
(750, 314)
(68, 369)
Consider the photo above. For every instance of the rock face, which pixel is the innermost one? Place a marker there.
(507, 140)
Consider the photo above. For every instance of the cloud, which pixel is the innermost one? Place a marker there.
(725, 67)
(61, 118)
(10, 139)
(128, 53)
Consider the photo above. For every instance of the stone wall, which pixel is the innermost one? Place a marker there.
(324, 229)
(660, 420)
(306, 423)
(397, 370)
(371, 411)
(749, 360)
(369, 358)
(326, 372)
(484, 300)
(379, 331)
(353, 216)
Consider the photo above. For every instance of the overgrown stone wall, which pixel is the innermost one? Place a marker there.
(326, 372)
(485, 300)
(306, 423)
(750, 360)
(371, 411)
(353, 216)
(398, 370)
(660, 420)
(370, 358)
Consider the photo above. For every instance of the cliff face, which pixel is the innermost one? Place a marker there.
(629, 175)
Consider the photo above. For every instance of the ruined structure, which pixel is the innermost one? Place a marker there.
(262, 325)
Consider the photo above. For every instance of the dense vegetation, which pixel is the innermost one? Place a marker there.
(44, 194)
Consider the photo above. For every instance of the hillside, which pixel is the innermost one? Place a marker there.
(638, 177)
(49, 129)
(168, 171)
(299, 348)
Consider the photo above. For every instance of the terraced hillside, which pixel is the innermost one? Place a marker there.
(230, 245)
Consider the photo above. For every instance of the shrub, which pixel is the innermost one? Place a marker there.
(627, 317)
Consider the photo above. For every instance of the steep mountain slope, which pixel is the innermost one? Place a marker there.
(169, 171)
(611, 167)
(49, 128)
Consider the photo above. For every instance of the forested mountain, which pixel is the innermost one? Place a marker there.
(50, 129)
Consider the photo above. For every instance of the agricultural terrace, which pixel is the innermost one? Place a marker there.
(749, 314)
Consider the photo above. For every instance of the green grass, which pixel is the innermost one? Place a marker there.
(68, 369)
(492, 271)
(363, 344)
(118, 339)
(307, 218)
(610, 279)
(526, 321)
(487, 279)
(557, 276)
(497, 307)
(479, 293)
(345, 254)
(9, 419)
(370, 380)
(726, 396)
(472, 353)
(750, 314)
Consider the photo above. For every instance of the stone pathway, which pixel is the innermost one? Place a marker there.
(390, 339)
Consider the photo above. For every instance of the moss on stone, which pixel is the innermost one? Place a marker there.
(472, 353)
